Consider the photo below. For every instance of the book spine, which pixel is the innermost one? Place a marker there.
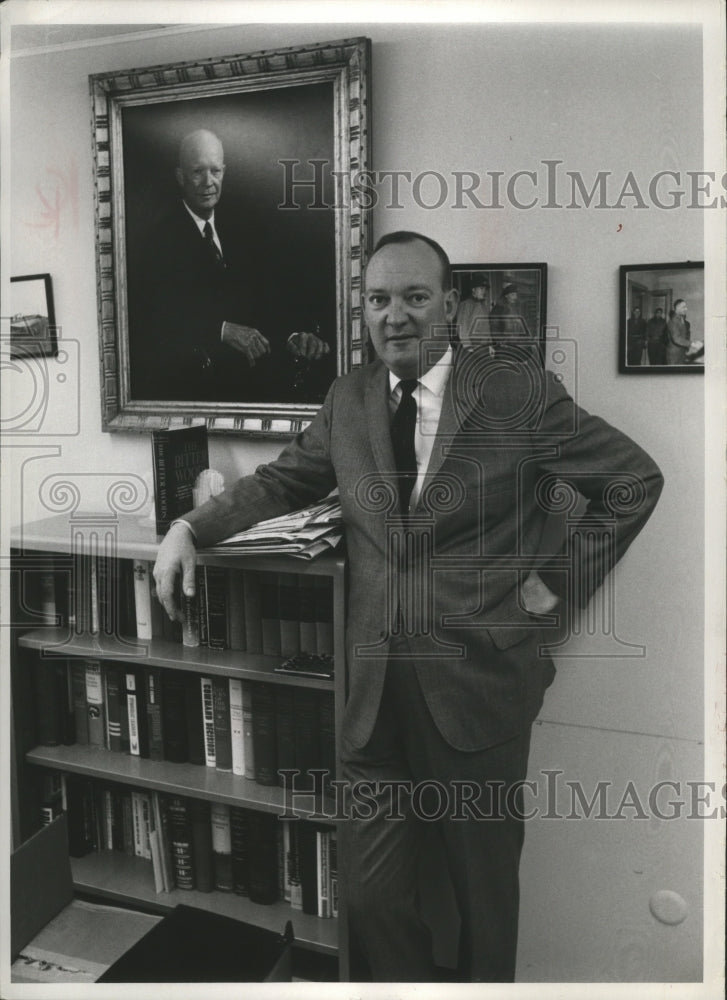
(68, 718)
(200, 587)
(78, 792)
(195, 727)
(236, 609)
(94, 608)
(174, 716)
(127, 600)
(80, 708)
(296, 890)
(223, 736)
(285, 729)
(270, 614)
(263, 734)
(113, 681)
(217, 610)
(48, 683)
(142, 598)
(324, 901)
(138, 735)
(308, 868)
(181, 839)
(80, 596)
(307, 612)
(236, 727)
(208, 722)
(247, 730)
(202, 845)
(289, 610)
(161, 813)
(94, 700)
(128, 820)
(154, 708)
(307, 744)
(109, 818)
(104, 575)
(221, 846)
(190, 625)
(324, 615)
(253, 624)
(262, 857)
(160, 443)
(238, 845)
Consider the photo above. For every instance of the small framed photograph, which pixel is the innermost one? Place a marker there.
(661, 323)
(32, 317)
(499, 302)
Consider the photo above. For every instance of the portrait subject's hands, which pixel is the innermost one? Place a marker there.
(176, 557)
(307, 345)
(245, 339)
(536, 597)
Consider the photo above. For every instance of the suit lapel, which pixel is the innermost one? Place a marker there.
(378, 419)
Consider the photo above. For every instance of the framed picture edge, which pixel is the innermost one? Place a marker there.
(47, 348)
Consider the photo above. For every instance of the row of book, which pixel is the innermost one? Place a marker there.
(195, 844)
(250, 728)
(279, 614)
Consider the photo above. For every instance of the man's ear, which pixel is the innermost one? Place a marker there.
(451, 301)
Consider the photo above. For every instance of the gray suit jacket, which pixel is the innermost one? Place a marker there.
(511, 446)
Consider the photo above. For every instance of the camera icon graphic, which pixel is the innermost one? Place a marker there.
(41, 394)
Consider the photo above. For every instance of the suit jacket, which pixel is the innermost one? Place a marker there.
(505, 437)
(179, 298)
(678, 340)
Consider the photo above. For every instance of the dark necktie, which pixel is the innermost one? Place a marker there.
(402, 438)
(212, 247)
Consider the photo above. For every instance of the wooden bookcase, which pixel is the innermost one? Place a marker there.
(111, 875)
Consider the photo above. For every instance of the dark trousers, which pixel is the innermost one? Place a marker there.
(483, 854)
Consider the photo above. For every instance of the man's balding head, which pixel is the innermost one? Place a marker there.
(200, 171)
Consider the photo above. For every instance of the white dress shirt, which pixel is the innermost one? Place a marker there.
(428, 395)
(201, 223)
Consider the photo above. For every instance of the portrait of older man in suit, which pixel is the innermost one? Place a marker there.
(446, 695)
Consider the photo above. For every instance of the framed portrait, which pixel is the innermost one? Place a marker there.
(229, 254)
(661, 320)
(33, 331)
(500, 302)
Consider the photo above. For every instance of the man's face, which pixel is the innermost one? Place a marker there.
(511, 298)
(681, 309)
(199, 174)
(405, 304)
(479, 292)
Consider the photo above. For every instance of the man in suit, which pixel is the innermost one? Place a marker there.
(443, 460)
(195, 304)
(473, 314)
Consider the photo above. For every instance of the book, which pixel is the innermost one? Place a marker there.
(285, 701)
(161, 820)
(323, 873)
(263, 734)
(200, 593)
(289, 610)
(291, 859)
(115, 691)
(174, 716)
(79, 602)
(308, 867)
(80, 815)
(253, 625)
(194, 717)
(223, 735)
(208, 721)
(51, 796)
(247, 730)
(307, 742)
(269, 613)
(154, 702)
(238, 847)
(143, 598)
(178, 458)
(262, 868)
(49, 689)
(199, 812)
(95, 703)
(307, 639)
(323, 587)
(190, 626)
(181, 840)
(221, 846)
(237, 737)
(94, 619)
(236, 609)
(216, 606)
(136, 706)
(80, 709)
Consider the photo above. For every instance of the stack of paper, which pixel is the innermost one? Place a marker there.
(304, 533)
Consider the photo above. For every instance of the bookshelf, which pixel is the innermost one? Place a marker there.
(112, 875)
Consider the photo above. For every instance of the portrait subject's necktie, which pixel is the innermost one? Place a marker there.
(212, 247)
(402, 438)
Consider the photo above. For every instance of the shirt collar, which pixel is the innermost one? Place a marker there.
(435, 380)
(199, 220)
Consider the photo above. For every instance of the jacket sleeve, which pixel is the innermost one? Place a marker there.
(302, 474)
(620, 483)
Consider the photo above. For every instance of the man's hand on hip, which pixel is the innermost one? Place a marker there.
(246, 340)
(176, 557)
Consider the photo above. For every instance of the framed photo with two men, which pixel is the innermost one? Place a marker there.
(229, 252)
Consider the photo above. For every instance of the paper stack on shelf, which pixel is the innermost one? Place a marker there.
(304, 533)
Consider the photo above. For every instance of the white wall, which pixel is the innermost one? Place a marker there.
(480, 98)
